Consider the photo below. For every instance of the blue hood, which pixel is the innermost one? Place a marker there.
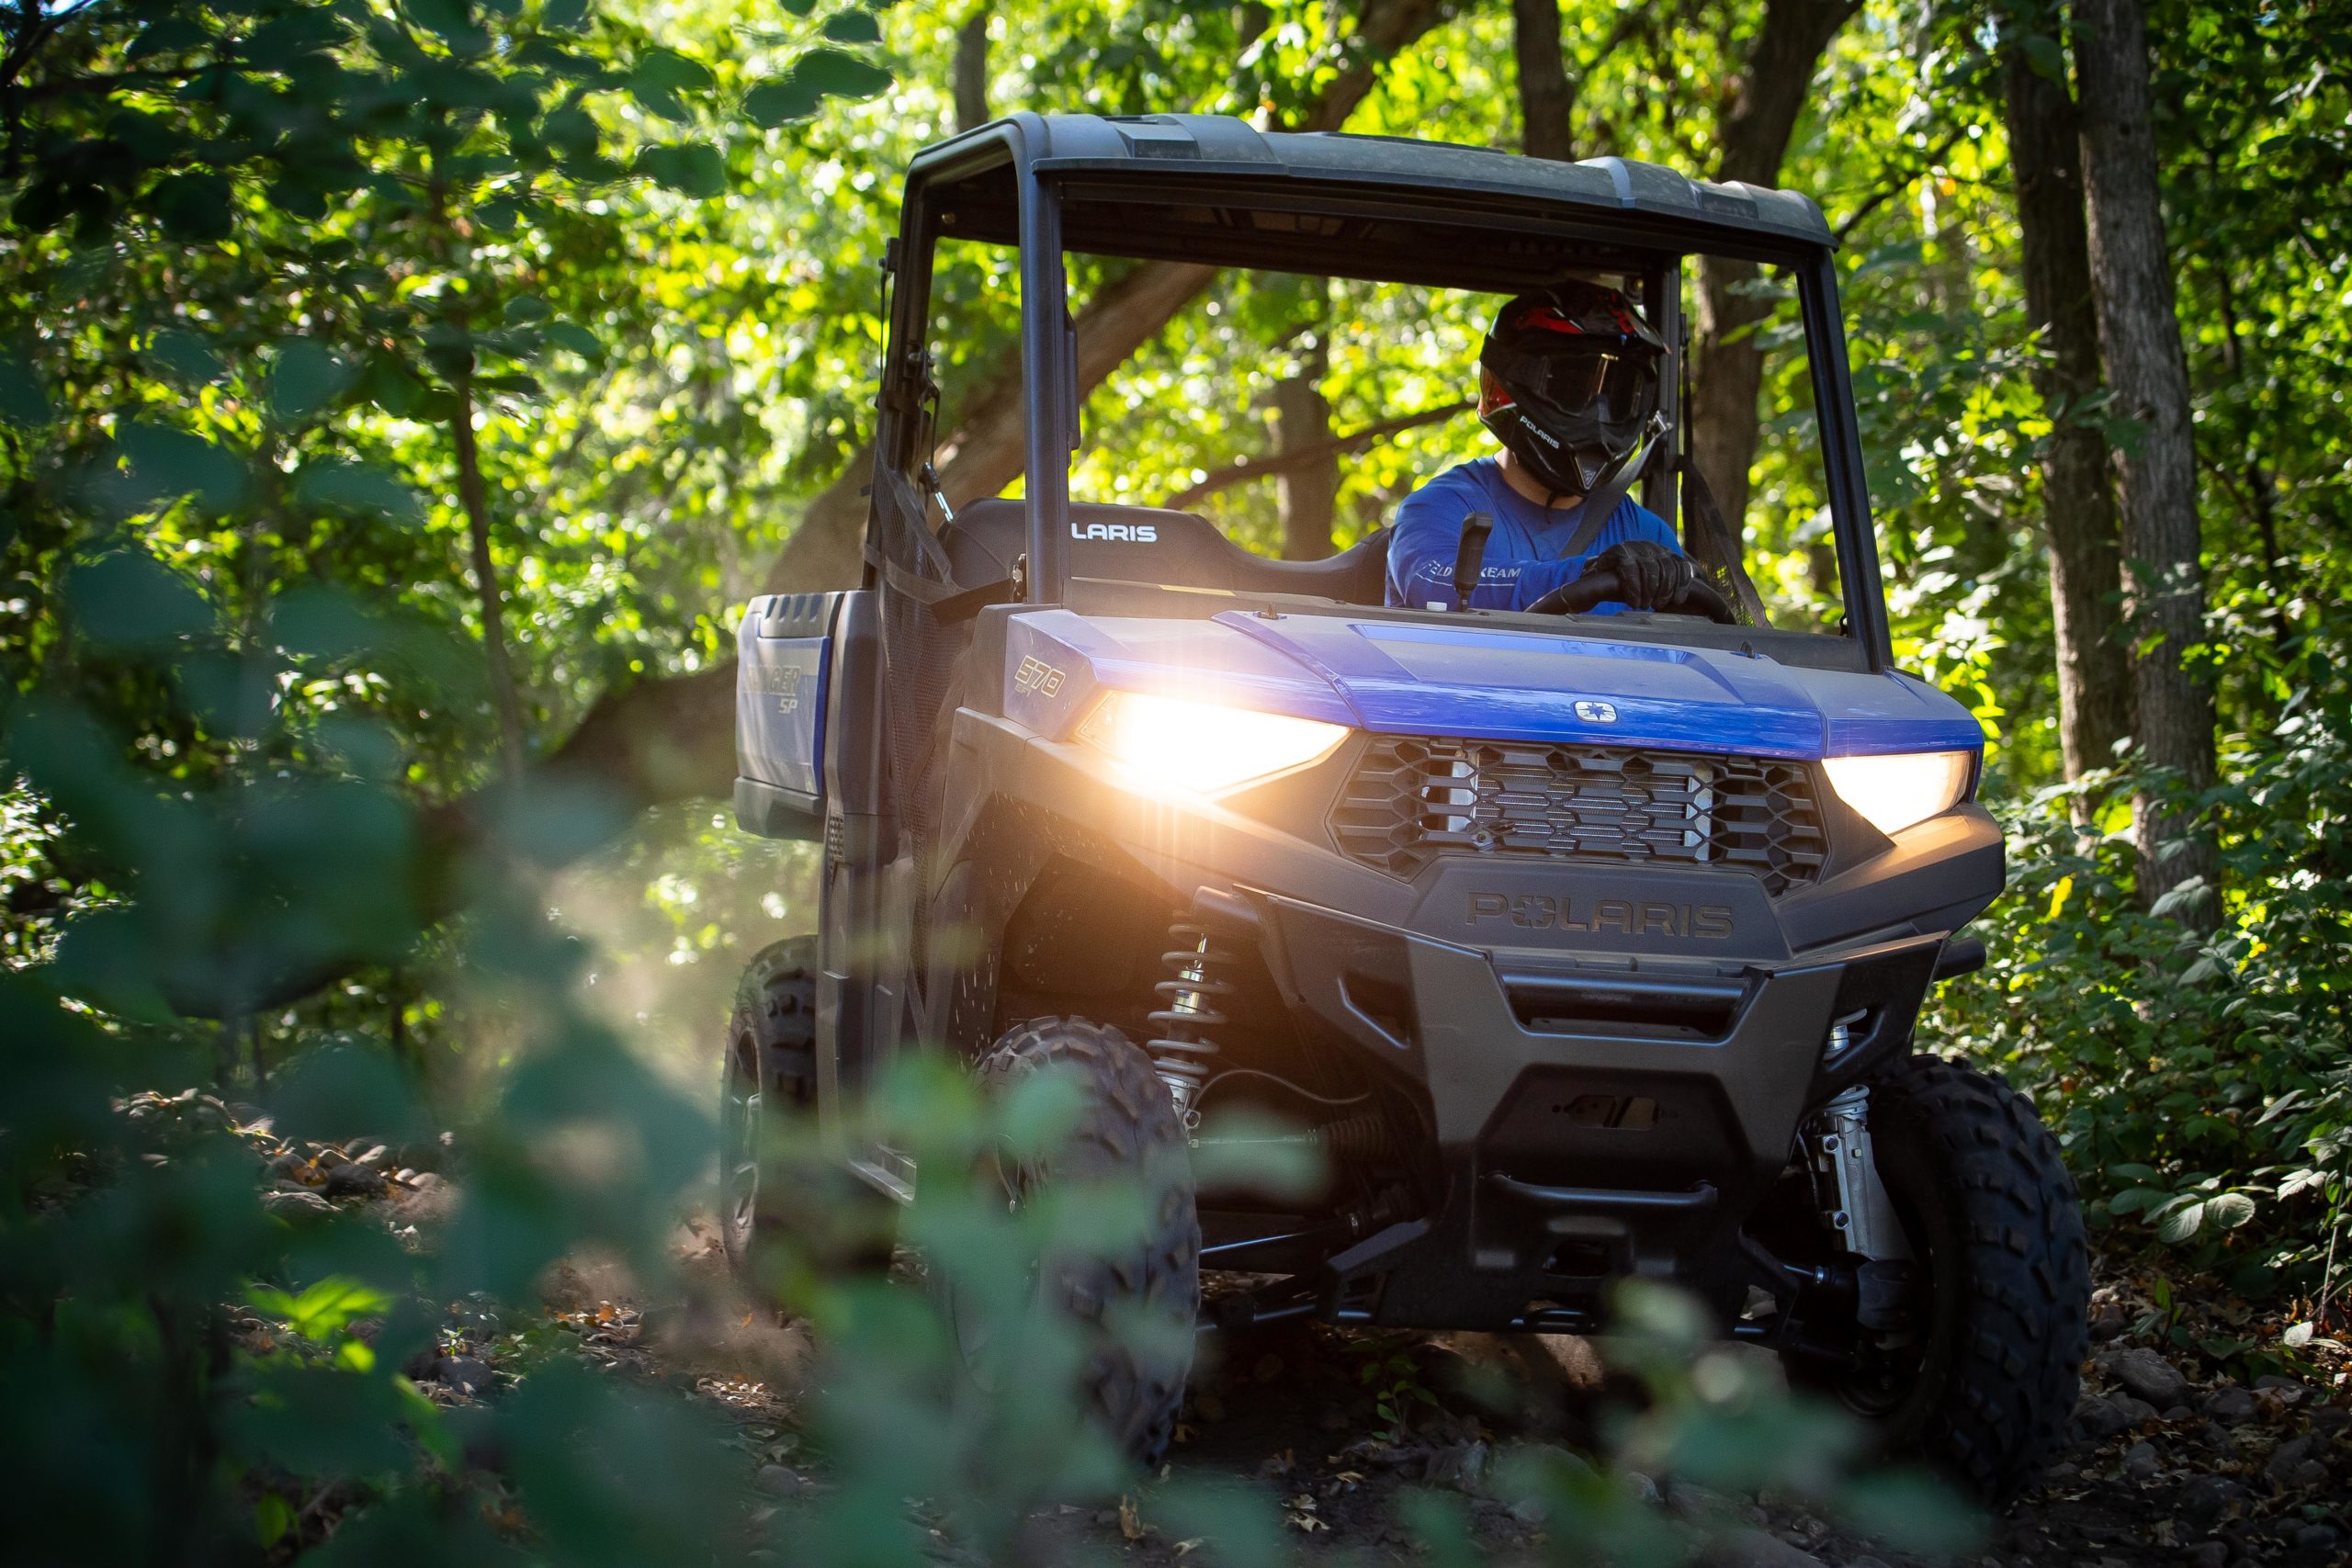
(1403, 678)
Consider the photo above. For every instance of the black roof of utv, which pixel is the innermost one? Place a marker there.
(1216, 189)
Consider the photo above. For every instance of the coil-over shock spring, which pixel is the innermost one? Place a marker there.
(1182, 1044)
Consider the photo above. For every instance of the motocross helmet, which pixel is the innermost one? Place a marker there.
(1578, 372)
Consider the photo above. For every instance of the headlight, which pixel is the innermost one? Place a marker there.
(1172, 745)
(1893, 792)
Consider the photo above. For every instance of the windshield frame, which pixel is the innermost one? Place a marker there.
(960, 191)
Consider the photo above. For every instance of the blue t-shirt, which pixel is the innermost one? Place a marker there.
(1524, 554)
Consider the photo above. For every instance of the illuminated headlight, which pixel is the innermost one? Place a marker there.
(1170, 745)
(1893, 792)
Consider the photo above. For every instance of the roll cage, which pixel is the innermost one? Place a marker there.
(1213, 191)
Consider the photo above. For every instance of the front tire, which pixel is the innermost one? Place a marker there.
(2003, 1304)
(1127, 1131)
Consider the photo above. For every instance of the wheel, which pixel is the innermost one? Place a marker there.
(769, 1070)
(1982, 1363)
(1148, 1288)
(775, 1180)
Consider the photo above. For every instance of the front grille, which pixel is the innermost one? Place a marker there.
(1413, 798)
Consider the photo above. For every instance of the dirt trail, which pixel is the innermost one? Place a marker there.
(2220, 1474)
(2169, 1460)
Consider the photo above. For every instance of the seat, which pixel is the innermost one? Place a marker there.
(1149, 544)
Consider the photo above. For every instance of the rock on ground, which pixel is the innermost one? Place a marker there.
(2146, 1375)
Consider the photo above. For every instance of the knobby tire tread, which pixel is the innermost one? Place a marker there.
(775, 1019)
(1129, 1130)
(2024, 1299)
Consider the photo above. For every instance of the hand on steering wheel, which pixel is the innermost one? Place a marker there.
(1650, 576)
(1643, 575)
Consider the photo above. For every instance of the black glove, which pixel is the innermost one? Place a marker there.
(1650, 576)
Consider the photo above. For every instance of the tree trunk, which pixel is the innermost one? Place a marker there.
(473, 495)
(1729, 372)
(1544, 96)
(984, 455)
(2079, 507)
(1309, 490)
(2157, 473)
(971, 71)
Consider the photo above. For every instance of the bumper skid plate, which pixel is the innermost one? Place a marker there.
(1590, 1115)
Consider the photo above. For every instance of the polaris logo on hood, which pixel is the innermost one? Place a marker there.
(1116, 533)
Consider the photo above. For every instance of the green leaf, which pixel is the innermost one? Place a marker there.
(307, 377)
(24, 403)
(297, 199)
(273, 1516)
(185, 355)
(2229, 1210)
(314, 1422)
(658, 101)
(128, 602)
(570, 131)
(668, 68)
(853, 27)
(2133, 1172)
(659, 76)
(820, 74)
(576, 338)
(359, 487)
(394, 388)
(2182, 1223)
(2044, 55)
(525, 309)
(2136, 1199)
(195, 209)
(689, 166)
(166, 464)
(326, 1308)
(564, 16)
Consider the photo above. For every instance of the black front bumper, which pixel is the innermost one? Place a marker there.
(1588, 1115)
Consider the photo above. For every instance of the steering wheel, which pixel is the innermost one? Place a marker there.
(1599, 587)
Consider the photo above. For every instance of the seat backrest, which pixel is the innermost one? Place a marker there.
(1149, 544)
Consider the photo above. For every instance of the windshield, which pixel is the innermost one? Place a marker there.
(1592, 431)
(1301, 415)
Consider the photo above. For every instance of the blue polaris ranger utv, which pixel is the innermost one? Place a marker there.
(1581, 945)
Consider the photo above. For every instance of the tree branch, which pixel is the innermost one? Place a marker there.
(1242, 470)
(473, 495)
(1888, 192)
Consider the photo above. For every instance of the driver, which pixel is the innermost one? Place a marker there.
(1569, 384)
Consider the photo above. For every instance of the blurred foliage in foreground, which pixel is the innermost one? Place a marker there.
(379, 385)
(223, 1376)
